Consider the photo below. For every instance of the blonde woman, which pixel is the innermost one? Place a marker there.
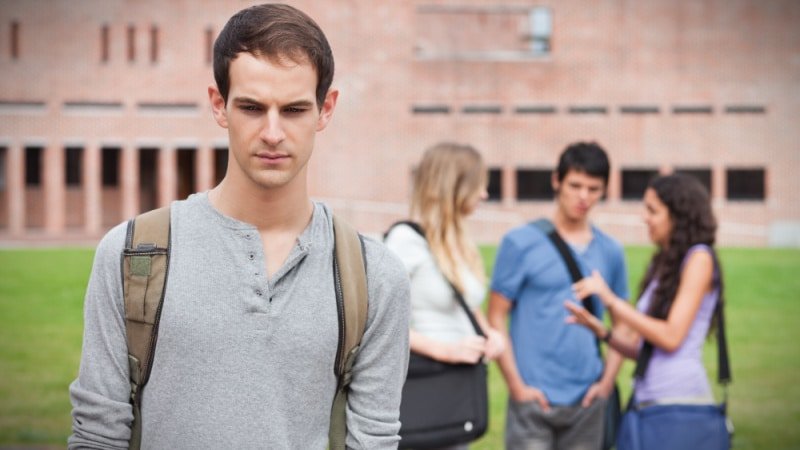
(441, 258)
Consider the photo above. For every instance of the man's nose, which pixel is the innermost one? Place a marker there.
(272, 131)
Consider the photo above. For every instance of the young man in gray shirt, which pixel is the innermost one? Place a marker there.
(249, 329)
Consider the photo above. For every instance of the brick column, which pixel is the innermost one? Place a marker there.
(129, 181)
(167, 176)
(614, 188)
(92, 190)
(16, 189)
(204, 169)
(509, 186)
(55, 194)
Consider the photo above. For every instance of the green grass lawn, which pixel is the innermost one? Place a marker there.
(41, 297)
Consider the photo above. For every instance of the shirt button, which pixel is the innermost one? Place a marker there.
(252, 256)
(258, 292)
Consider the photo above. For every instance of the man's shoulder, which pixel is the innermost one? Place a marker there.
(607, 242)
(524, 235)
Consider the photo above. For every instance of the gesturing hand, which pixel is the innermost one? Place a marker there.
(593, 284)
(583, 317)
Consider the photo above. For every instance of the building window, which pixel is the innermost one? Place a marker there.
(105, 36)
(33, 166)
(692, 109)
(490, 32)
(702, 175)
(635, 181)
(639, 109)
(148, 178)
(209, 45)
(495, 186)
(746, 109)
(746, 184)
(186, 172)
(14, 39)
(74, 156)
(534, 184)
(482, 109)
(430, 109)
(131, 43)
(588, 109)
(541, 29)
(536, 109)
(220, 164)
(110, 163)
(153, 44)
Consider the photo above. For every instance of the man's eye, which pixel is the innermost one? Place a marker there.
(249, 108)
(293, 110)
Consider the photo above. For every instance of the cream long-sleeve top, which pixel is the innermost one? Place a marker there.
(435, 312)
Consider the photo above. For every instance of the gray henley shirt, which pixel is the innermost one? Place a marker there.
(242, 361)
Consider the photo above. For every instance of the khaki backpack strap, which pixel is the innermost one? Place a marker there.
(350, 279)
(145, 263)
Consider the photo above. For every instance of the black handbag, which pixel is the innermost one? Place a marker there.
(443, 404)
(613, 413)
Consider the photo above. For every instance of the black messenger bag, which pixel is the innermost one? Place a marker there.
(443, 404)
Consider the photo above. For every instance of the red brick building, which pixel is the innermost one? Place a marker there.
(104, 110)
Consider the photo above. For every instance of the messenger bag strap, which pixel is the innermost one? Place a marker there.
(547, 227)
(459, 297)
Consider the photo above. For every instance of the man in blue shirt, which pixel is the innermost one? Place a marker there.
(558, 384)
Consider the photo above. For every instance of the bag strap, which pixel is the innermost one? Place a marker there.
(350, 284)
(547, 227)
(145, 267)
(459, 296)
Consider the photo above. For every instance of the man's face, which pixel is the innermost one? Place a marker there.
(272, 118)
(577, 193)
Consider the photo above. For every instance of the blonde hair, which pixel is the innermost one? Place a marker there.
(447, 178)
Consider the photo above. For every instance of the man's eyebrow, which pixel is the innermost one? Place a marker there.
(246, 100)
(295, 104)
(300, 104)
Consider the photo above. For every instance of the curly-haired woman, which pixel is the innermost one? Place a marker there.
(666, 330)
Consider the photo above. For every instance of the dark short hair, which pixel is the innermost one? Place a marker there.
(586, 157)
(273, 31)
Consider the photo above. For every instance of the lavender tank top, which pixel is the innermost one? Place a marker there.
(679, 374)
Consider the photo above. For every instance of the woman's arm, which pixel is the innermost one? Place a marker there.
(468, 350)
(696, 280)
(495, 342)
(621, 338)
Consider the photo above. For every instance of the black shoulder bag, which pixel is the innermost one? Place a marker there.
(613, 413)
(443, 404)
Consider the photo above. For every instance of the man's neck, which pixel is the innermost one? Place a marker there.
(280, 209)
(572, 230)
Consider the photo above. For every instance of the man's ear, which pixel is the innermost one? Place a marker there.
(554, 182)
(218, 106)
(326, 112)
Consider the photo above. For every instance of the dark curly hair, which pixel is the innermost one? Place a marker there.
(693, 223)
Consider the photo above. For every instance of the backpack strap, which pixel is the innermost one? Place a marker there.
(350, 283)
(145, 264)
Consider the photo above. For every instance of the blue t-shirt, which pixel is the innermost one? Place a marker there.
(558, 358)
